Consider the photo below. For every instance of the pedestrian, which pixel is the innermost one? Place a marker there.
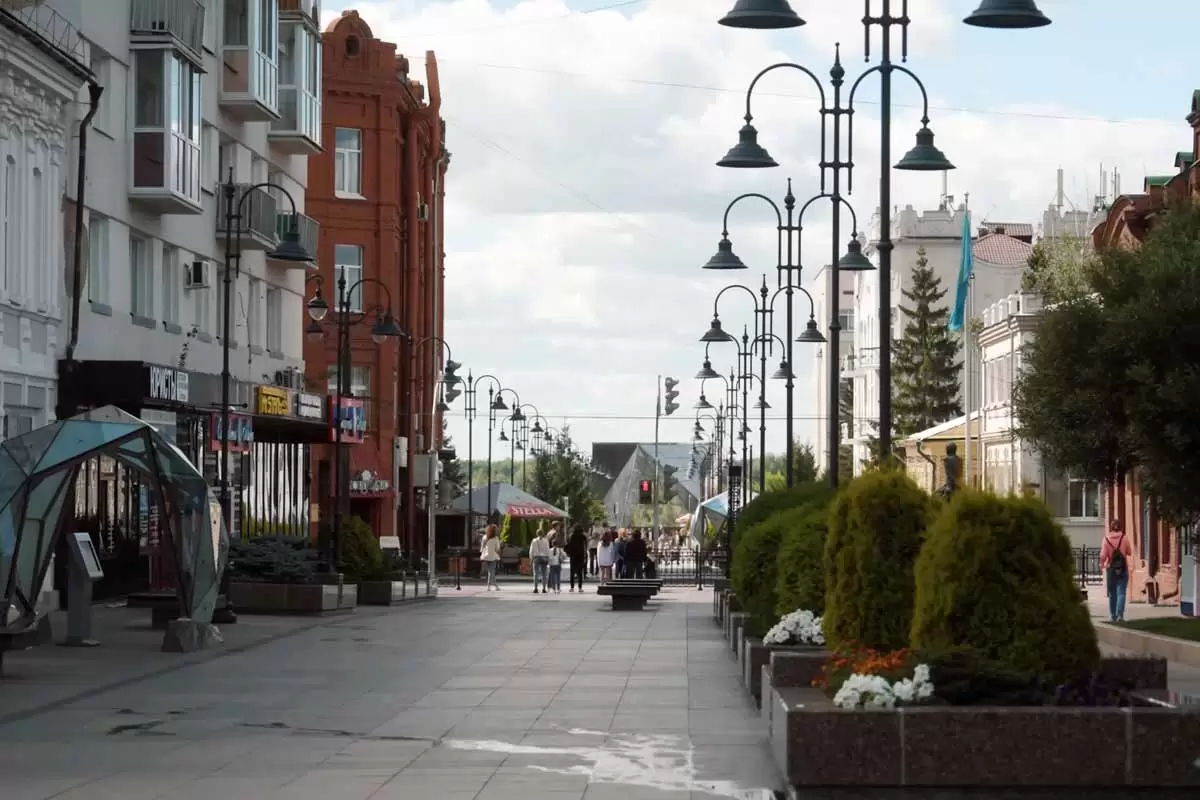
(593, 546)
(635, 555)
(577, 551)
(489, 554)
(539, 558)
(606, 553)
(1115, 556)
(557, 556)
(619, 553)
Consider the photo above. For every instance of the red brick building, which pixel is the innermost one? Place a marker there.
(1165, 569)
(377, 192)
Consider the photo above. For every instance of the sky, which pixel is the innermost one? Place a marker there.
(583, 196)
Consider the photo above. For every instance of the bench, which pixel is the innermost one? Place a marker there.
(164, 607)
(627, 597)
(26, 637)
(656, 585)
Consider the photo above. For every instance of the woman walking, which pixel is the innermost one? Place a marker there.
(539, 558)
(605, 556)
(489, 554)
(557, 557)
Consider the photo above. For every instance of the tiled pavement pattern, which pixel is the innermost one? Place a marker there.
(474, 696)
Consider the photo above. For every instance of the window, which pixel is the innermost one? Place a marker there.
(171, 275)
(360, 386)
(347, 162)
(97, 259)
(38, 246)
(19, 420)
(275, 319)
(102, 67)
(226, 160)
(185, 98)
(210, 148)
(210, 26)
(1083, 499)
(150, 85)
(219, 290)
(202, 310)
(11, 231)
(348, 261)
(141, 281)
(253, 292)
(846, 320)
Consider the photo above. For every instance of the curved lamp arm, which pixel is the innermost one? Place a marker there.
(741, 197)
(812, 307)
(850, 104)
(840, 199)
(824, 110)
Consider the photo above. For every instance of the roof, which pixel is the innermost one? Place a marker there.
(1002, 249)
(1017, 229)
(506, 499)
(951, 429)
(1158, 180)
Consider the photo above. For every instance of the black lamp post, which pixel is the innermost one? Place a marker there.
(470, 395)
(924, 156)
(515, 417)
(383, 328)
(445, 390)
(528, 443)
(289, 249)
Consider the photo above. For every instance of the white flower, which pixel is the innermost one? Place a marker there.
(921, 673)
(875, 691)
(799, 627)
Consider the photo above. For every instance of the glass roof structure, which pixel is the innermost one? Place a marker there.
(37, 477)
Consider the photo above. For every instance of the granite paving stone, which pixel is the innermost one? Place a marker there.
(471, 696)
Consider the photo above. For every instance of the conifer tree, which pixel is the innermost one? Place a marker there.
(925, 360)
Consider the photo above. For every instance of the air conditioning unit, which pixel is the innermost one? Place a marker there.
(422, 211)
(198, 275)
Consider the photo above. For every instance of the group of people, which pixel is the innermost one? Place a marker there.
(620, 553)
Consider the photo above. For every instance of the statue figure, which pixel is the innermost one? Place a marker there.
(952, 465)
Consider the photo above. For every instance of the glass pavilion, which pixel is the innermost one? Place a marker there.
(37, 475)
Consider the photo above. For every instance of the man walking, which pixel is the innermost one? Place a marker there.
(577, 551)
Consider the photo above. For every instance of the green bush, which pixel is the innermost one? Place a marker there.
(800, 582)
(995, 577)
(755, 562)
(768, 504)
(876, 527)
(272, 559)
(362, 558)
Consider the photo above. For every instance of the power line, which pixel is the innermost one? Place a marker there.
(682, 418)
(524, 22)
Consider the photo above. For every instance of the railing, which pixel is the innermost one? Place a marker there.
(308, 228)
(249, 71)
(266, 79)
(181, 19)
(299, 112)
(1087, 566)
(49, 25)
(302, 8)
(259, 212)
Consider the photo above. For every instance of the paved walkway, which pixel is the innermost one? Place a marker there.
(474, 696)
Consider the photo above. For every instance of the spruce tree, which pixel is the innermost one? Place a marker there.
(925, 363)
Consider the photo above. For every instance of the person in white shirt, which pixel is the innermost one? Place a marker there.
(606, 554)
(539, 559)
(557, 557)
(489, 554)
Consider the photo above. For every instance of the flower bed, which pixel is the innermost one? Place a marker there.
(800, 631)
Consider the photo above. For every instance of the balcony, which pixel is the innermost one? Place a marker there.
(165, 169)
(309, 230)
(176, 24)
(298, 129)
(305, 10)
(259, 217)
(249, 70)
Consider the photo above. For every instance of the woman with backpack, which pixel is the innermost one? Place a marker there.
(1116, 555)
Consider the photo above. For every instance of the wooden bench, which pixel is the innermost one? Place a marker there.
(32, 635)
(627, 597)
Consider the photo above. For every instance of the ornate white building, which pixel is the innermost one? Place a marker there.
(43, 68)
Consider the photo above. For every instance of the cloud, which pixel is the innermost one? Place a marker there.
(583, 197)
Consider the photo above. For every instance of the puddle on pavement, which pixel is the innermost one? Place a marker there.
(653, 761)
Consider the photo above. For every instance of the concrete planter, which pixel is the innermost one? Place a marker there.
(816, 744)
(733, 631)
(380, 593)
(756, 656)
(251, 597)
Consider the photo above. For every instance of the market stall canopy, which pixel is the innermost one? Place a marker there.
(37, 471)
(714, 509)
(508, 500)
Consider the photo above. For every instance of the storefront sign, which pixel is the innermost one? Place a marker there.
(366, 482)
(273, 402)
(309, 406)
(351, 418)
(242, 427)
(168, 384)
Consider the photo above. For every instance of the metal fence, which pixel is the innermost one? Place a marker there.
(1087, 566)
(688, 566)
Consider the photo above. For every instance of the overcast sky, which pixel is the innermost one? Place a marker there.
(583, 197)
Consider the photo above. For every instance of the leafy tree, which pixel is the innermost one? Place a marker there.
(1060, 268)
(566, 473)
(804, 463)
(846, 419)
(1110, 381)
(925, 365)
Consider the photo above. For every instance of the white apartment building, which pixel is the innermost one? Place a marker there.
(43, 65)
(1008, 465)
(820, 378)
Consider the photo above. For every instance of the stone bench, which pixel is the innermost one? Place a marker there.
(627, 598)
(651, 582)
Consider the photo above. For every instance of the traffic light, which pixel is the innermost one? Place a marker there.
(669, 394)
(448, 374)
(670, 484)
(645, 492)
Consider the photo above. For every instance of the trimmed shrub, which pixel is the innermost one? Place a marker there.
(768, 504)
(755, 561)
(995, 577)
(800, 583)
(272, 559)
(362, 558)
(876, 527)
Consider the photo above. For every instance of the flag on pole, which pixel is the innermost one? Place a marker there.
(964, 276)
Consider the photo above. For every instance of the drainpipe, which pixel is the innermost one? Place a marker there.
(94, 92)
(932, 466)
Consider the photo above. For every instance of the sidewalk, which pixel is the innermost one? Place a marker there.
(479, 695)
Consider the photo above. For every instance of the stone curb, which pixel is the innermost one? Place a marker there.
(1179, 651)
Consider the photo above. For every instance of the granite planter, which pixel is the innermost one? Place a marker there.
(380, 593)
(253, 597)
(733, 630)
(757, 656)
(818, 745)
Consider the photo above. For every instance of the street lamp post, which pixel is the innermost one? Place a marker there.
(924, 156)
(289, 249)
(470, 408)
(383, 328)
(450, 379)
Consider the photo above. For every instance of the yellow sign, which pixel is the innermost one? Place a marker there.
(273, 402)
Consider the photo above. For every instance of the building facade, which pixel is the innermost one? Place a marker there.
(378, 193)
(820, 378)
(196, 154)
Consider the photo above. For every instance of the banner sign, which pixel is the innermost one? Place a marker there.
(351, 418)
